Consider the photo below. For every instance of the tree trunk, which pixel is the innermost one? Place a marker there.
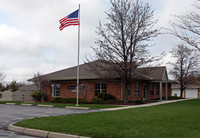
(42, 97)
(181, 92)
(126, 92)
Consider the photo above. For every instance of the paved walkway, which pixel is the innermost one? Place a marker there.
(144, 105)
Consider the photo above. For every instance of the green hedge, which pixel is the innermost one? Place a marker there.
(98, 101)
(36, 95)
(104, 98)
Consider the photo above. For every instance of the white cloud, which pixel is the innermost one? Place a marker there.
(164, 13)
(30, 40)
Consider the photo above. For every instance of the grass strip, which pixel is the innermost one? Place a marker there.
(17, 102)
(62, 105)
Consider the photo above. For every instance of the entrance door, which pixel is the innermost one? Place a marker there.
(144, 91)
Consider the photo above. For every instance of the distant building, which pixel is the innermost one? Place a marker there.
(23, 94)
(192, 91)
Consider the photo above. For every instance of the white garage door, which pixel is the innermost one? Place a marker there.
(176, 92)
(191, 93)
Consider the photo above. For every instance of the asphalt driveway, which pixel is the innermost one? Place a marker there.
(13, 113)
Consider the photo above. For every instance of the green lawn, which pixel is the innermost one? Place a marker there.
(178, 120)
(91, 106)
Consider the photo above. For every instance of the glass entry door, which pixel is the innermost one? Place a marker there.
(144, 91)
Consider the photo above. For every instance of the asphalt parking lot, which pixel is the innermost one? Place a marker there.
(13, 113)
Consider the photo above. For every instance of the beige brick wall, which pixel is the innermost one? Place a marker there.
(6, 96)
(24, 96)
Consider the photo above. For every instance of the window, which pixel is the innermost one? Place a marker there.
(151, 89)
(100, 88)
(55, 90)
(0, 95)
(137, 89)
(157, 89)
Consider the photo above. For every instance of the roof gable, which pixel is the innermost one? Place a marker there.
(155, 73)
(165, 76)
(149, 73)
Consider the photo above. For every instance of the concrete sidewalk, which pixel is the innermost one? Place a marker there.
(144, 105)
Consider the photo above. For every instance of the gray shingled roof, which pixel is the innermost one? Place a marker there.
(155, 73)
(150, 73)
(71, 73)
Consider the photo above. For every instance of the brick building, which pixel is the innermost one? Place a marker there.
(153, 83)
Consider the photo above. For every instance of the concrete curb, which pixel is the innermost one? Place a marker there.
(35, 132)
(59, 135)
(16, 128)
(71, 107)
(43, 105)
(11, 103)
(41, 133)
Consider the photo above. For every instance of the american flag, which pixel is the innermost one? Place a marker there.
(71, 19)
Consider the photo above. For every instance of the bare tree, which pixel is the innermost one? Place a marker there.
(2, 78)
(185, 66)
(187, 27)
(84, 90)
(2, 83)
(42, 84)
(124, 40)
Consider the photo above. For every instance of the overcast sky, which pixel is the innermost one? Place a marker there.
(30, 39)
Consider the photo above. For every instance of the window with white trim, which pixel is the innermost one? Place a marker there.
(55, 90)
(100, 87)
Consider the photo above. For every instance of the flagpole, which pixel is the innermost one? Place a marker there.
(77, 89)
